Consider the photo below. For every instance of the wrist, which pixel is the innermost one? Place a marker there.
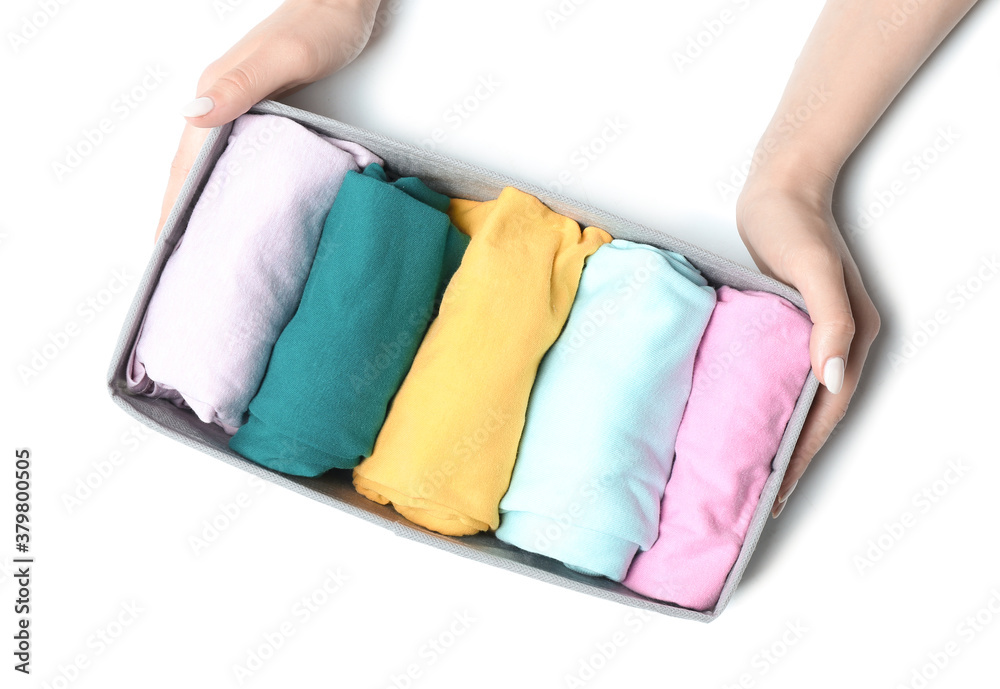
(787, 174)
(791, 167)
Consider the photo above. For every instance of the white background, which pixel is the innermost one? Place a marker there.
(62, 238)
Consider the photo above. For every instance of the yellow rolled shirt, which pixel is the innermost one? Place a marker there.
(445, 454)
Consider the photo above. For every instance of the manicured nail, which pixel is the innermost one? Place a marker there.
(202, 106)
(833, 374)
(782, 501)
(784, 496)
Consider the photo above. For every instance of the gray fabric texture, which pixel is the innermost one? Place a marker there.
(456, 179)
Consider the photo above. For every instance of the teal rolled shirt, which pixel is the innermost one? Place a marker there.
(384, 259)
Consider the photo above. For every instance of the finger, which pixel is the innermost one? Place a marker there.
(828, 409)
(818, 274)
(191, 141)
(265, 71)
(825, 413)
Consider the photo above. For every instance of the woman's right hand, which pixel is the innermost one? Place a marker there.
(303, 41)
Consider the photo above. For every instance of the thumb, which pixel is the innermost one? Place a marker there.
(236, 91)
(822, 283)
(187, 151)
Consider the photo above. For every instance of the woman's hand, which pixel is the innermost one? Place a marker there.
(304, 40)
(848, 73)
(787, 224)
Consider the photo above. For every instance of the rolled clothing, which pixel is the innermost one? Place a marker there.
(386, 254)
(445, 453)
(749, 372)
(236, 275)
(603, 416)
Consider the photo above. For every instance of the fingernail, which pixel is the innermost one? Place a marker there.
(833, 374)
(782, 501)
(783, 497)
(202, 106)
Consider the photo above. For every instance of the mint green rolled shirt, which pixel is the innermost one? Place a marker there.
(598, 440)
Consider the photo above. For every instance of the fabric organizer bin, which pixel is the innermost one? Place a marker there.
(454, 179)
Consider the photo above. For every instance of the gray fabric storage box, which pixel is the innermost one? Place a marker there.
(455, 179)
